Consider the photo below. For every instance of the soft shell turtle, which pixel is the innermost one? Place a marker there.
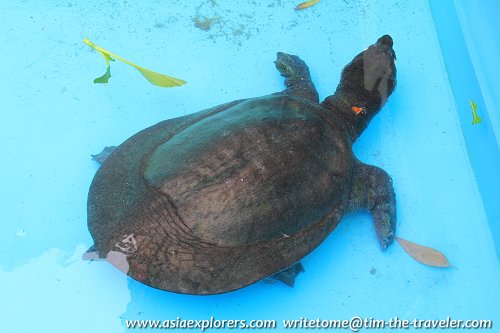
(217, 200)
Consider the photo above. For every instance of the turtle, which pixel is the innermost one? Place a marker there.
(217, 200)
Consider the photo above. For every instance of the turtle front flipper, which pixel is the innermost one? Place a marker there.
(372, 189)
(297, 77)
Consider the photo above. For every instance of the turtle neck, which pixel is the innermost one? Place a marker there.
(354, 113)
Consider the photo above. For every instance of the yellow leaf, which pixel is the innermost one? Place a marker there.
(306, 4)
(155, 78)
(423, 254)
(160, 79)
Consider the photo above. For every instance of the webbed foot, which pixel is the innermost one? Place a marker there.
(288, 275)
(297, 76)
(103, 155)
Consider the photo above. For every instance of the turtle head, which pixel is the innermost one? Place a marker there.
(365, 85)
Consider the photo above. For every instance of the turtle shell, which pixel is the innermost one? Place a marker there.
(214, 201)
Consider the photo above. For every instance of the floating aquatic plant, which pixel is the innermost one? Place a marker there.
(153, 77)
(306, 4)
(475, 118)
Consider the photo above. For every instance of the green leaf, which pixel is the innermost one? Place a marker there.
(104, 78)
(155, 78)
(158, 79)
(475, 118)
(107, 57)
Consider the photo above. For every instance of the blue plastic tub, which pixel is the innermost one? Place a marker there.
(445, 170)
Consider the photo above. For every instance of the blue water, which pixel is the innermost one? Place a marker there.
(53, 117)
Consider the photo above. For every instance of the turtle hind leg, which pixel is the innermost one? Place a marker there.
(372, 189)
(297, 77)
(103, 155)
(288, 275)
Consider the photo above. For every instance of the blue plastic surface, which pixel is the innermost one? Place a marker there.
(53, 118)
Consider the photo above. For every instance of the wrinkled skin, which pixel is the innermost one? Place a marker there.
(214, 201)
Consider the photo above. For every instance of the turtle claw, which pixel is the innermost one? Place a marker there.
(385, 241)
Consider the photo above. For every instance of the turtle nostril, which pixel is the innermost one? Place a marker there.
(385, 40)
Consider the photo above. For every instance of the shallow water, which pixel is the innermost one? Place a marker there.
(53, 117)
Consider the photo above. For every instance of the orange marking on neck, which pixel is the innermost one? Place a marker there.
(357, 110)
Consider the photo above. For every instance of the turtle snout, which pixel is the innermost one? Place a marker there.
(385, 42)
